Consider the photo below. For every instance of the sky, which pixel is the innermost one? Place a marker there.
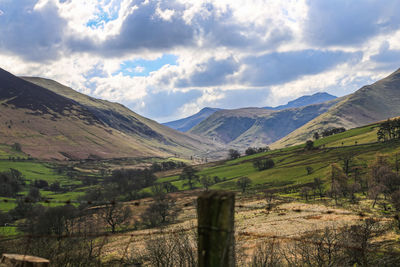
(168, 59)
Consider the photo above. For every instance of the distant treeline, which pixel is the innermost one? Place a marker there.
(329, 132)
(389, 130)
(167, 165)
(255, 150)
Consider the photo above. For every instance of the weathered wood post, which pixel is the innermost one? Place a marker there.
(11, 260)
(216, 243)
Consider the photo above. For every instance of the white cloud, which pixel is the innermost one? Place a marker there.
(223, 47)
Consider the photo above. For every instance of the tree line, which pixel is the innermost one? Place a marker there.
(328, 132)
(389, 130)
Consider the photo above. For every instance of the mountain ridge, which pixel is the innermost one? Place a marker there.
(370, 103)
(185, 124)
(305, 100)
(246, 127)
(53, 121)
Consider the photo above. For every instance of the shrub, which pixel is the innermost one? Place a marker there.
(264, 164)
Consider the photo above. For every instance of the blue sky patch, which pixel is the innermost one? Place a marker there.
(142, 67)
(103, 17)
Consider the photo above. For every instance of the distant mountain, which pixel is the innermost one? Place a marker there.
(305, 101)
(188, 123)
(246, 127)
(185, 124)
(371, 103)
(52, 121)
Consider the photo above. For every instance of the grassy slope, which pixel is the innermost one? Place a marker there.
(123, 133)
(371, 103)
(43, 137)
(291, 162)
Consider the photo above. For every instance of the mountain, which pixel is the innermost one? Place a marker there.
(52, 121)
(185, 124)
(305, 101)
(246, 127)
(188, 123)
(369, 104)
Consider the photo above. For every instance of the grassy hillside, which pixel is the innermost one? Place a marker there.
(290, 163)
(255, 126)
(371, 103)
(52, 121)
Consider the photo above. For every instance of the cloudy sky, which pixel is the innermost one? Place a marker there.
(168, 59)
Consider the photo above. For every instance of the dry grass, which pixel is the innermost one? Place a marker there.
(253, 222)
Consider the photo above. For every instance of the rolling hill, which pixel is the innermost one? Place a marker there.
(52, 121)
(370, 103)
(246, 127)
(188, 123)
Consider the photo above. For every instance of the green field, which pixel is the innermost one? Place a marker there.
(35, 170)
(290, 163)
(7, 152)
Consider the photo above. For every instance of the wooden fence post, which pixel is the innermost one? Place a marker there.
(216, 243)
(10, 260)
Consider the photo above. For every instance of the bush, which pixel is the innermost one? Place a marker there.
(17, 147)
(233, 154)
(264, 164)
(40, 184)
(309, 145)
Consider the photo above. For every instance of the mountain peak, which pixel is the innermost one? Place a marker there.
(188, 123)
(306, 100)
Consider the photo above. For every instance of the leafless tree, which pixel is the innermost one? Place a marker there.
(243, 183)
(115, 214)
(177, 249)
(267, 254)
(206, 181)
(161, 211)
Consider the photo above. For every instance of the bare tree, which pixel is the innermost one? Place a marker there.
(267, 254)
(169, 250)
(161, 211)
(315, 249)
(318, 186)
(115, 215)
(339, 185)
(269, 196)
(357, 238)
(206, 181)
(305, 192)
(347, 161)
(243, 183)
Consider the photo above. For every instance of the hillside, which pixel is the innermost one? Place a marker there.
(290, 163)
(188, 123)
(371, 103)
(305, 101)
(256, 126)
(57, 122)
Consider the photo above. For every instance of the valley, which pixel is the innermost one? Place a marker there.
(89, 158)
